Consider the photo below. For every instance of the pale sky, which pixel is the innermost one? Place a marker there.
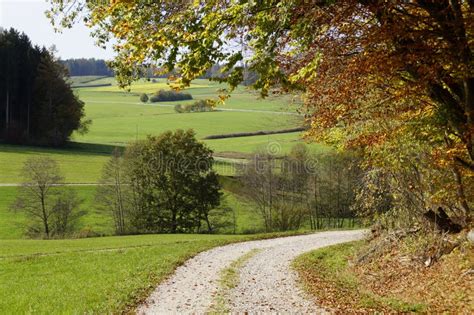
(28, 16)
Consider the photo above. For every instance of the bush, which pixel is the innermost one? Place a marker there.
(170, 96)
(198, 106)
(178, 108)
(144, 98)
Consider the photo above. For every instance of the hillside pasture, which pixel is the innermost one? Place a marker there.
(77, 165)
(86, 80)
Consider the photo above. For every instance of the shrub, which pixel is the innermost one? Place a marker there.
(144, 98)
(178, 108)
(170, 96)
(198, 106)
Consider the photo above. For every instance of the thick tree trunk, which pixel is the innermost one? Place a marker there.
(442, 221)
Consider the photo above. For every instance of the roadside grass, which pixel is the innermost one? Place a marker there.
(97, 275)
(326, 274)
(229, 279)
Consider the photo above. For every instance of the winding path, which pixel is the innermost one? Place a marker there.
(267, 282)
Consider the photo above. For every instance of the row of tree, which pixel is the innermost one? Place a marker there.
(170, 96)
(37, 105)
(292, 190)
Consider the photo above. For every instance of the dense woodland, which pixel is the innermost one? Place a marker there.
(37, 105)
(87, 66)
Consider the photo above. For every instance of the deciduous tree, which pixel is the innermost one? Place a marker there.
(51, 209)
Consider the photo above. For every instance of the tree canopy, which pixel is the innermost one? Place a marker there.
(402, 60)
(173, 182)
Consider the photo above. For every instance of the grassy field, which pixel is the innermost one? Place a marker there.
(118, 117)
(98, 275)
(77, 165)
(111, 274)
(82, 163)
(84, 80)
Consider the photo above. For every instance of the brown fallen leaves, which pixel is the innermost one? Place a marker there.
(392, 282)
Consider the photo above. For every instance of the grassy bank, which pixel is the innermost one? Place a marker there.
(327, 275)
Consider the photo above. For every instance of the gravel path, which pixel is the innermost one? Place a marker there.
(267, 283)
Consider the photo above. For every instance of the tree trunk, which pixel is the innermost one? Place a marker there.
(209, 227)
(45, 216)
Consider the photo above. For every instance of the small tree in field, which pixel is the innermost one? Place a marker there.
(113, 193)
(51, 210)
(66, 212)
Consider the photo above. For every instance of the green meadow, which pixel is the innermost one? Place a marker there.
(118, 117)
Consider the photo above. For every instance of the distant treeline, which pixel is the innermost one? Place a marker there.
(90, 66)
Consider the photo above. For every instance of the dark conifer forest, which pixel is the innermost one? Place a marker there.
(37, 105)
